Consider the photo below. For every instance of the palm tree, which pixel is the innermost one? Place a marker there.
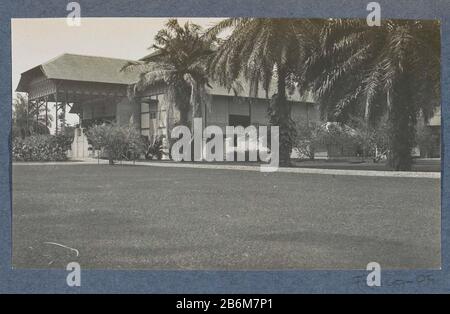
(28, 120)
(372, 72)
(178, 61)
(258, 51)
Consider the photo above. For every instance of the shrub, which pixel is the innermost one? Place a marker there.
(373, 139)
(310, 138)
(425, 140)
(307, 140)
(118, 142)
(41, 148)
(155, 149)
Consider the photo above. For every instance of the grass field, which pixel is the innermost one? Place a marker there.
(137, 217)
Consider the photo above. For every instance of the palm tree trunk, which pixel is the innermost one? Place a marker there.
(184, 113)
(63, 118)
(196, 112)
(110, 157)
(282, 117)
(169, 120)
(402, 120)
(197, 109)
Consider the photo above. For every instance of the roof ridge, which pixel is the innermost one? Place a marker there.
(71, 66)
(51, 60)
(90, 56)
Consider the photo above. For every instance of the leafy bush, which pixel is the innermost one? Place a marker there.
(307, 140)
(118, 142)
(41, 148)
(310, 138)
(374, 140)
(425, 140)
(155, 149)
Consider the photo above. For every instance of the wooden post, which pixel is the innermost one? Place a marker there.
(307, 115)
(56, 115)
(63, 124)
(46, 112)
(28, 114)
(250, 101)
(38, 105)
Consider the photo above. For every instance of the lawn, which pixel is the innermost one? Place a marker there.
(138, 217)
(419, 165)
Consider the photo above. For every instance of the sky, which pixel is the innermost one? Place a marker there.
(35, 41)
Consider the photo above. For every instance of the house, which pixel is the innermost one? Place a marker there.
(95, 88)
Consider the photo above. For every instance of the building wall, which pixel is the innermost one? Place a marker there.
(121, 111)
(152, 118)
(152, 114)
(306, 113)
(259, 112)
(125, 109)
(218, 113)
(239, 106)
(224, 106)
(98, 111)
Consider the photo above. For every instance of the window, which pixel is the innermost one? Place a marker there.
(238, 120)
(145, 121)
(149, 109)
(144, 107)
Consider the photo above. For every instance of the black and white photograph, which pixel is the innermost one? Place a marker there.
(226, 144)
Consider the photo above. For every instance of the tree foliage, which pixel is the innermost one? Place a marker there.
(310, 138)
(177, 60)
(373, 139)
(154, 149)
(372, 72)
(258, 51)
(24, 122)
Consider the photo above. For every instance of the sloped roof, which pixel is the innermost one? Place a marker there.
(89, 69)
(150, 56)
(86, 69)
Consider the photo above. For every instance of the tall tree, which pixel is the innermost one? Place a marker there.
(372, 72)
(28, 120)
(177, 60)
(258, 51)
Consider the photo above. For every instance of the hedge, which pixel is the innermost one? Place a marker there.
(41, 148)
